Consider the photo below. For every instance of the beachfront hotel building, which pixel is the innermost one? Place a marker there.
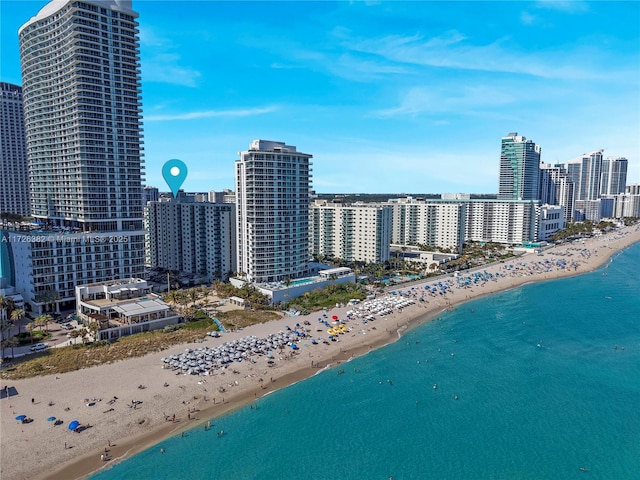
(14, 168)
(273, 182)
(195, 239)
(434, 223)
(519, 169)
(122, 307)
(355, 232)
(508, 222)
(502, 221)
(82, 108)
(557, 188)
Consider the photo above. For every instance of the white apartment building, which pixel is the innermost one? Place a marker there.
(434, 223)
(195, 238)
(626, 204)
(82, 108)
(356, 232)
(586, 172)
(53, 261)
(273, 181)
(502, 221)
(613, 179)
(550, 220)
(14, 167)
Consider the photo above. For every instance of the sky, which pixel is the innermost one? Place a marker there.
(388, 97)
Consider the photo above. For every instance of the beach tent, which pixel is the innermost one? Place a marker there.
(74, 424)
(21, 417)
(51, 419)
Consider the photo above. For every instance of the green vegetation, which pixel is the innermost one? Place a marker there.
(76, 357)
(248, 293)
(573, 230)
(26, 338)
(327, 297)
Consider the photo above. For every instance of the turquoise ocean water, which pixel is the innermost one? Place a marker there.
(541, 391)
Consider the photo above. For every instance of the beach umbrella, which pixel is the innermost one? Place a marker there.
(51, 419)
(21, 417)
(74, 424)
(335, 317)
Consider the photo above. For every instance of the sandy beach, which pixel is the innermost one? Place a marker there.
(130, 405)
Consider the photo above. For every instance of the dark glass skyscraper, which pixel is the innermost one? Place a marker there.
(519, 169)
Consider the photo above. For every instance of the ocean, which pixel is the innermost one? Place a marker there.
(537, 382)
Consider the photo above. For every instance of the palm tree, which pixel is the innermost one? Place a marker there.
(75, 334)
(43, 320)
(31, 325)
(171, 296)
(3, 307)
(16, 316)
(11, 343)
(94, 328)
(193, 295)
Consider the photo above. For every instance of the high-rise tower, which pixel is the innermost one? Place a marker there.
(14, 169)
(81, 81)
(82, 107)
(613, 178)
(586, 174)
(519, 169)
(557, 188)
(272, 211)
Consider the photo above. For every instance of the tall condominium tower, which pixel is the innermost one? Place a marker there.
(586, 174)
(557, 188)
(519, 169)
(14, 169)
(613, 178)
(272, 210)
(82, 106)
(81, 80)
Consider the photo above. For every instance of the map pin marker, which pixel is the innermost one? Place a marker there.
(174, 173)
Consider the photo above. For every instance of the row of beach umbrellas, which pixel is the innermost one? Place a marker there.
(72, 425)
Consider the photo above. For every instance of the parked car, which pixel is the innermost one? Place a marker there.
(38, 347)
(67, 326)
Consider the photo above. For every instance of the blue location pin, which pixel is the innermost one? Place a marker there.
(174, 173)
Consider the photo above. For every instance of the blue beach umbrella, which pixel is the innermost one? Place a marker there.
(51, 419)
(21, 417)
(74, 424)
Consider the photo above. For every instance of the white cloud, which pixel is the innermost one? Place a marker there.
(527, 18)
(165, 69)
(567, 6)
(160, 65)
(454, 50)
(240, 112)
(458, 100)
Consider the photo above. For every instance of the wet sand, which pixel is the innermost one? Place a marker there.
(124, 427)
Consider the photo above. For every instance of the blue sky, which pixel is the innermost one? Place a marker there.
(388, 96)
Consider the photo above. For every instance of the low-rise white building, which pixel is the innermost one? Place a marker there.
(551, 219)
(122, 307)
(285, 291)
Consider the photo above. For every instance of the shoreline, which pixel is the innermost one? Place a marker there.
(186, 394)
